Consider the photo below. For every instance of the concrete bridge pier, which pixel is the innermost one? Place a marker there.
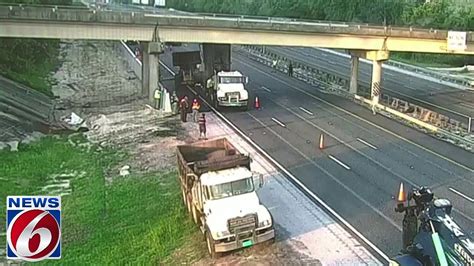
(377, 57)
(354, 74)
(216, 56)
(151, 68)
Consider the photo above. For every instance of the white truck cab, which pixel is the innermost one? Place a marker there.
(232, 210)
(229, 88)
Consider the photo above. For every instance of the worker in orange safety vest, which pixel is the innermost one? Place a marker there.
(195, 107)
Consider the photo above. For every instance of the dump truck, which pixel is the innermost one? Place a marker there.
(188, 63)
(227, 88)
(219, 192)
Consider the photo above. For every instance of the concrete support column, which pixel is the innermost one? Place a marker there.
(377, 58)
(376, 89)
(154, 68)
(354, 74)
(145, 69)
(151, 69)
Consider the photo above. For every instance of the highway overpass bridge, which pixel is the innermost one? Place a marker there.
(217, 33)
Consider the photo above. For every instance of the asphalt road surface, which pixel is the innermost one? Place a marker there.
(444, 99)
(365, 158)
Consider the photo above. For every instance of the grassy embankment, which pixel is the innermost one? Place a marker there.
(29, 61)
(433, 60)
(132, 220)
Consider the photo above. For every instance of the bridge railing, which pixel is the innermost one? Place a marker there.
(59, 7)
(41, 12)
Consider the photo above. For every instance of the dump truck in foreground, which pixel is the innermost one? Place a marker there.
(218, 189)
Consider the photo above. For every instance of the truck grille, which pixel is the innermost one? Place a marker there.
(232, 95)
(245, 223)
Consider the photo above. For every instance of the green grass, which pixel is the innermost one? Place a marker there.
(433, 60)
(133, 220)
(34, 77)
(29, 61)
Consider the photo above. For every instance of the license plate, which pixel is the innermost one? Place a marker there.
(247, 243)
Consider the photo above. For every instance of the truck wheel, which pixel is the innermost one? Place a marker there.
(211, 248)
(196, 216)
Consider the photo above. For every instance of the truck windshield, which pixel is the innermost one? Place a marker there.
(229, 80)
(231, 189)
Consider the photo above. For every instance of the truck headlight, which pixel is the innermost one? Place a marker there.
(222, 233)
(264, 223)
(244, 95)
(222, 98)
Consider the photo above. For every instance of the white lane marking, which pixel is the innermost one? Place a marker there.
(388, 74)
(306, 111)
(355, 194)
(408, 87)
(278, 122)
(265, 88)
(301, 185)
(469, 105)
(461, 194)
(366, 143)
(358, 117)
(167, 68)
(389, 169)
(339, 162)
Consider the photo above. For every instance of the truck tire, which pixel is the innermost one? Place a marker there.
(211, 248)
(196, 216)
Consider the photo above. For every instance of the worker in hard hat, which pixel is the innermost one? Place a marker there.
(195, 108)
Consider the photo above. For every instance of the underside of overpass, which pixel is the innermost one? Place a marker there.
(82, 23)
(217, 33)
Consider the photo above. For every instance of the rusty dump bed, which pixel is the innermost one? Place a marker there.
(211, 155)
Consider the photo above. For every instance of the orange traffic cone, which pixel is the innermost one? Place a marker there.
(321, 141)
(257, 103)
(401, 194)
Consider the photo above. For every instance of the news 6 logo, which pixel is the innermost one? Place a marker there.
(33, 227)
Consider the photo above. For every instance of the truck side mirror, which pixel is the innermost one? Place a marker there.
(246, 80)
(260, 181)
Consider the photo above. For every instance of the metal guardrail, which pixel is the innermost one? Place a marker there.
(324, 72)
(454, 81)
(441, 133)
(442, 77)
